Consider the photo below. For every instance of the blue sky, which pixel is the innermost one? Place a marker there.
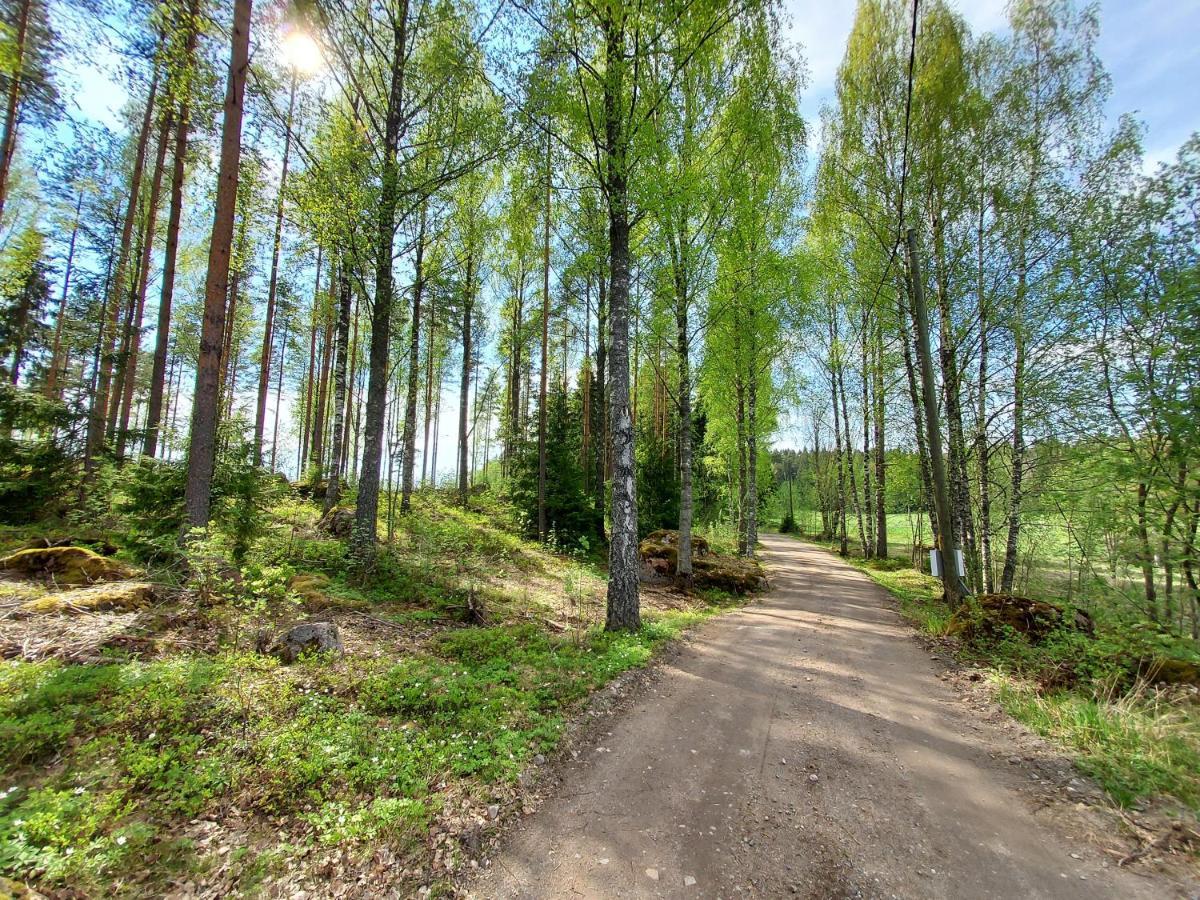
(1148, 47)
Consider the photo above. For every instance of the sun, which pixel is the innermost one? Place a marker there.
(301, 52)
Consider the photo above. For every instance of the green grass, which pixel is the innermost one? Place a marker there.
(1137, 746)
(1082, 694)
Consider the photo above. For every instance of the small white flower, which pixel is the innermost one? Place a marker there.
(79, 790)
(120, 840)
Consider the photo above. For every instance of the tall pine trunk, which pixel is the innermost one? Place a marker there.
(129, 369)
(170, 260)
(264, 363)
(203, 444)
(543, 533)
(116, 291)
(683, 565)
(57, 365)
(8, 139)
(409, 446)
(333, 491)
(464, 392)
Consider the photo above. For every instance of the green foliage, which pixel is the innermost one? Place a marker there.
(571, 516)
(147, 497)
(38, 466)
(657, 484)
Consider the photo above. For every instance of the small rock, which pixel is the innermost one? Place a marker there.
(652, 874)
(1015, 760)
(688, 881)
(321, 637)
(813, 778)
(539, 760)
(493, 811)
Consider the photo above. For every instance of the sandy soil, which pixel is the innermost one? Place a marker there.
(810, 746)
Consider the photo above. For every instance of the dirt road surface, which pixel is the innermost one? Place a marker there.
(803, 746)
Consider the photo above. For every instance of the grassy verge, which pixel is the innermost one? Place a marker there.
(124, 775)
(1139, 742)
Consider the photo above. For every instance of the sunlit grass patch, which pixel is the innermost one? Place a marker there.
(1136, 746)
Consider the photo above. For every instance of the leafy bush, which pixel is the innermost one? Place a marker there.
(39, 440)
(571, 514)
(149, 498)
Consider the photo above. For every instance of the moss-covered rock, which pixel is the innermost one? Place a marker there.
(660, 550)
(121, 596)
(990, 615)
(1162, 670)
(338, 521)
(15, 890)
(660, 554)
(310, 588)
(64, 565)
(732, 574)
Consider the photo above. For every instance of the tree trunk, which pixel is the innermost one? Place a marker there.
(1145, 554)
(278, 395)
(960, 491)
(108, 332)
(121, 362)
(1009, 573)
(203, 444)
(868, 497)
(683, 565)
(333, 491)
(429, 352)
(409, 447)
(858, 512)
(881, 527)
(162, 334)
(366, 523)
(350, 426)
(317, 450)
(264, 363)
(129, 369)
(8, 140)
(752, 463)
(309, 380)
(946, 537)
(839, 512)
(739, 390)
(600, 402)
(918, 409)
(543, 534)
(56, 361)
(464, 393)
(623, 606)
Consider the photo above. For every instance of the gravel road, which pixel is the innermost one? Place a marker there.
(802, 747)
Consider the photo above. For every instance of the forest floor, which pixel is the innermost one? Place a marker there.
(812, 745)
(157, 750)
